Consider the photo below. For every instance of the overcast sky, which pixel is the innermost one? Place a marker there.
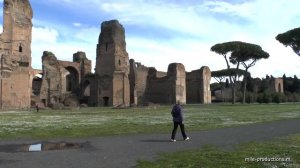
(159, 32)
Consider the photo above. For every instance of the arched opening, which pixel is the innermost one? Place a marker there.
(72, 80)
(279, 88)
(36, 84)
(36, 88)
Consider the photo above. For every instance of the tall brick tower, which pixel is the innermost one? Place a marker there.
(15, 53)
(112, 66)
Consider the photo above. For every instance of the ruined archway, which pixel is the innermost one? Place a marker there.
(72, 79)
(36, 78)
(37, 83)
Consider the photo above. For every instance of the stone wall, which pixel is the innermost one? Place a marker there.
(177, 75)
(138, 82)
(15, 51)
(275, 85)
(198, 86)
(112, 66)
(278, 85)
(62, 80)
(205, 85)
(151, 86)
(85, 64)
(51, 89)
(271, 85)
(168, 89)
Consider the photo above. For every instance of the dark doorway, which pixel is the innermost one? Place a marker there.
(44, 102)
(105, 101)
(86, 93)
(68, 83)
(279, 88)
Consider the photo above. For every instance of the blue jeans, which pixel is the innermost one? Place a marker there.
(175, 130)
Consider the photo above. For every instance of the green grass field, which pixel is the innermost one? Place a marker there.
(89, 122)
(279, 153)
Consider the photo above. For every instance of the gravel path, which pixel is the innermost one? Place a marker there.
(124, 151)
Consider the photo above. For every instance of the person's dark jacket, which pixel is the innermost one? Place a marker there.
(177, 113)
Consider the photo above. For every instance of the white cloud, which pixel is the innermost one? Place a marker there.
(167, 16)
(47, 39)
(191, 53)
(44, 35)
(76, 24)
(107, 7)
(242, 10)
(87, 34)
(282, 60)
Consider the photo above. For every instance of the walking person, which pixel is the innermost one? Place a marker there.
(37, 107)
(177, 114)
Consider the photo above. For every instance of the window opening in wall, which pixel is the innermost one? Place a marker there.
(20, 48)
(119, 62)
(106, 46)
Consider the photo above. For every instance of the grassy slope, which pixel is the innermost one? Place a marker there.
(107, 121)
(211, 157)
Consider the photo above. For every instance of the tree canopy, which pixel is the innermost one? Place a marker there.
(239, 53)
(291, 38)
(227, 73)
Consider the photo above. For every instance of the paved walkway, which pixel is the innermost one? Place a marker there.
(124, 151)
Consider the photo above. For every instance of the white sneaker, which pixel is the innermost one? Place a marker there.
(173, 140)
(187, 138)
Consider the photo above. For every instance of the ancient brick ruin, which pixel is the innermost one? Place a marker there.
(149, 85)
(116, 81)
(119, 83)
(198, 86)
(271, 85)
(62, 80)
(112, 66)
(276, 85)
(15, 52)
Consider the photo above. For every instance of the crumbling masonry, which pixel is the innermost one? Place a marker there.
(112, 66)
(62, 80)
(117, 81)
(15, 54)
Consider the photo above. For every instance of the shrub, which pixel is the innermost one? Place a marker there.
(276, 98)
(267, 98)
(292, 97)
(251, 97)
(260, 98)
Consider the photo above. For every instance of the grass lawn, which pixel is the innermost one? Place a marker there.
(280, 153)
(107, 121)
